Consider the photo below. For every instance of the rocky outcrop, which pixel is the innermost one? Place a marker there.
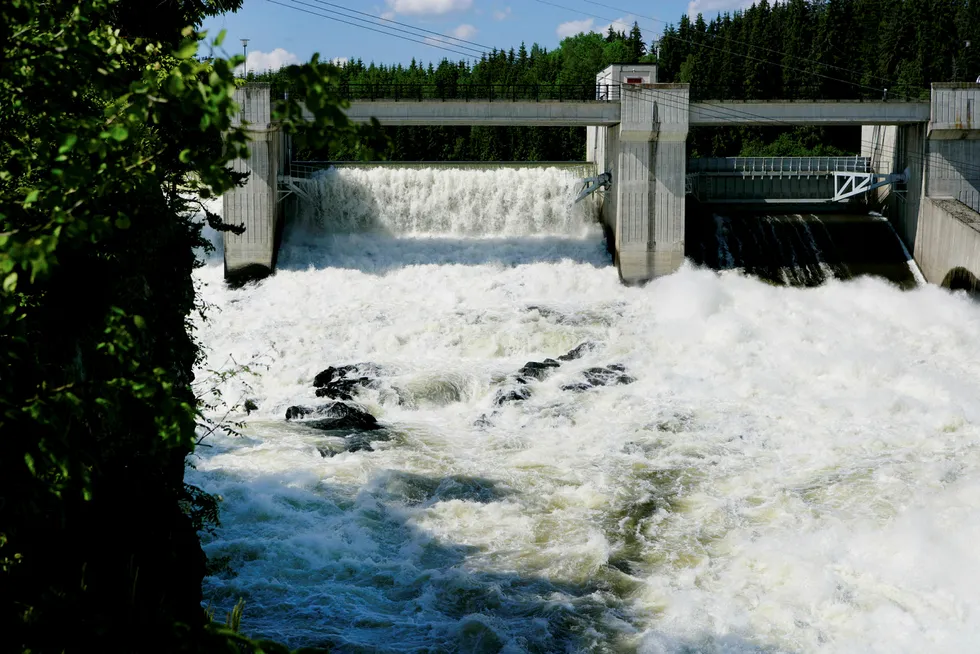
(518, 389)
(610, 375)
(333, 416)
(578, 352)
(343, 382)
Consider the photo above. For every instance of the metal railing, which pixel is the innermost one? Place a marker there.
(481, 92)
(778, 166)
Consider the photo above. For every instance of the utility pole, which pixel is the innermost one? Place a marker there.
(245, 48)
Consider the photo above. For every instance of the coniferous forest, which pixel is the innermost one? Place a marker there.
(801, 49)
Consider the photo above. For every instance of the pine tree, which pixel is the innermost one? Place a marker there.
(637, 48)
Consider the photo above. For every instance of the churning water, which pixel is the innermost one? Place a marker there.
(767, 469)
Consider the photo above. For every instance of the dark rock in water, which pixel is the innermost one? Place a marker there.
(483, 421)
(538, 370)
(342, 372)
(578, 352)
(359, 444)
(326, 452)
(336, 415)
(608, 376)
(518, 394)
(343, 389)
(343, 382)
(297, 412)
(250, 406)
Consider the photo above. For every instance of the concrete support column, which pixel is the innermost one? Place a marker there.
(947, 241)
(649, 181)
(603, 151)
(252, 254)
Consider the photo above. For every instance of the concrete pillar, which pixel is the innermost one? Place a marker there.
(892, 149)
(603, 151)
(880, 144)
(252, 254)
(947, 242)
(649, 180)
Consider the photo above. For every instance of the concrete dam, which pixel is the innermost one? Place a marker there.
(922, 160)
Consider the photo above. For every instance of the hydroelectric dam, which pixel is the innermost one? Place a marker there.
(464, 433)
(922, 159)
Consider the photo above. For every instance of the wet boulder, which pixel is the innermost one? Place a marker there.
(517, 393)
(334, 415)
(537, 369)
(611, 375)
(343, 382)
(578, 352)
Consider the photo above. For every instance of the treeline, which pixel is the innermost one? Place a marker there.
(573, 65)
(800, 49)
(838, 49)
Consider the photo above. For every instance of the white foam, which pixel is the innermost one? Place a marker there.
(793, 470)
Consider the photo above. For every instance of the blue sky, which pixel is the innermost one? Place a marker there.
(279, 34)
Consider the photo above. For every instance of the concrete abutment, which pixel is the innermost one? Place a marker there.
(252, 254)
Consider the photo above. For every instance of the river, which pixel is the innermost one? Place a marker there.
(771, 467)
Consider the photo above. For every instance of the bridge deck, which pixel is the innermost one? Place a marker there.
(826, 112)
(484, 112)
(584, 113)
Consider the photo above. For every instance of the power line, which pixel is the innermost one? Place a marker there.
(721, 113)
(395, 22)
(379, 31)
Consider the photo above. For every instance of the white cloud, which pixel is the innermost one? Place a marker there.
(340, 61)
(424, 7)
(260, 62)
(464, 31)
(501, 14)
(620, 25)
(573, 27)
(712, 7)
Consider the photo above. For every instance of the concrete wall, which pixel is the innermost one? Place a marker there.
(947, 248)
(576, 113)
(830, 112)
(253, 253)
(954, 170)
(503, 113)
(947, 235)
(650, 181)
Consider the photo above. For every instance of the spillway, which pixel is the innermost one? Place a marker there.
(727, 465)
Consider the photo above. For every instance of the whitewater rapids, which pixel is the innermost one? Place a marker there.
(793, 470)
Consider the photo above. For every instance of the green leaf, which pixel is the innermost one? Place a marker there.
(185, 156)
(118, 133)
(139, 321)
(122, 222)
(10, 283)
(32, 197)
(187, 50)
(68, 144)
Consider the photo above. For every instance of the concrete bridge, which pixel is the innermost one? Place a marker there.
(637, 131)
